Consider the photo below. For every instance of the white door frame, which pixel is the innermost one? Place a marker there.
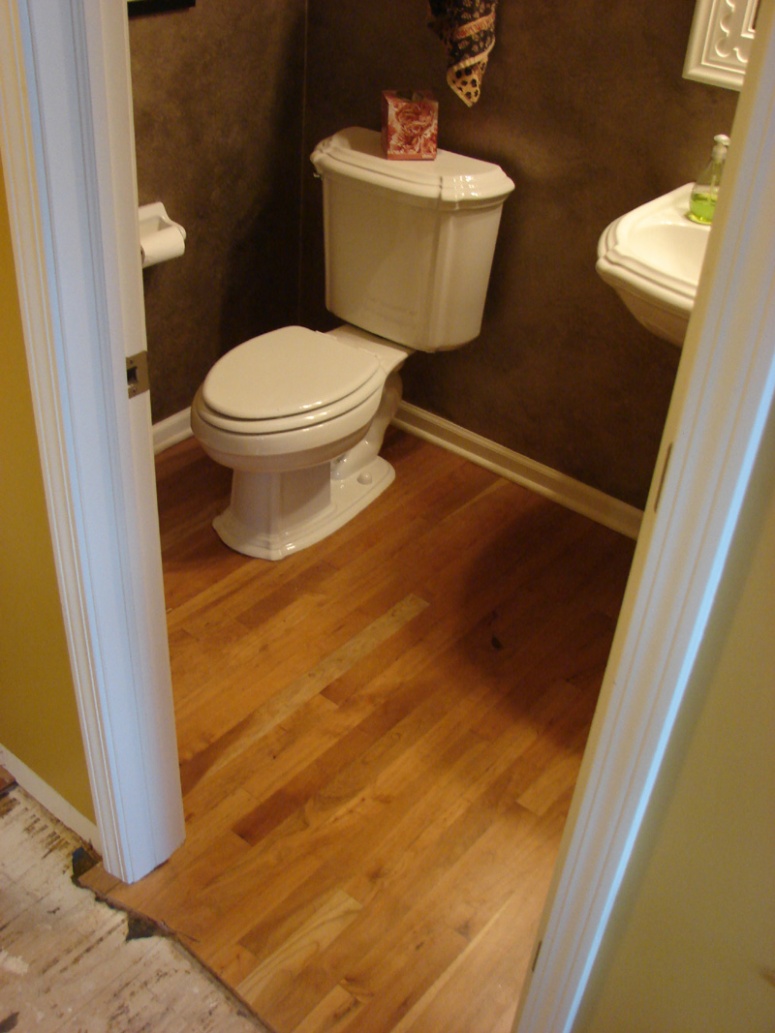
(720, 404)
(68, 156)
(67, 143)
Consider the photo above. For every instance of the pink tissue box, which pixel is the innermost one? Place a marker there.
(410, 125)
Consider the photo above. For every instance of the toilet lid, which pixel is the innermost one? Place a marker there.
(287, 372)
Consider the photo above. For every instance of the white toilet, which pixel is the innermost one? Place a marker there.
(299, 415)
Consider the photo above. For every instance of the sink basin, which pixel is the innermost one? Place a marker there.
(652, 257)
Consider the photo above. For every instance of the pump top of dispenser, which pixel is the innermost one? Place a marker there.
(702, 205)
(721, 144)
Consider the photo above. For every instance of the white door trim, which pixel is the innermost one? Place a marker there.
(68, 157)
(723, 395)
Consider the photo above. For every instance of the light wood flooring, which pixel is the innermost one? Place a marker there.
(379, 739)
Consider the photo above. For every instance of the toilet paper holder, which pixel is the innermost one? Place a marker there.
(161, 238)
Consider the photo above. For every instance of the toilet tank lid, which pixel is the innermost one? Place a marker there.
(450, 179)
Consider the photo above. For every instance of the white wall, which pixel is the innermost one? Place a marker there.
(690, 948)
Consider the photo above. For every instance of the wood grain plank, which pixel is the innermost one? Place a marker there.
(277, 976)
(379, 738)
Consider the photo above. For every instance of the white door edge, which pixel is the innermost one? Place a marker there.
(68, 156)
(723, 394)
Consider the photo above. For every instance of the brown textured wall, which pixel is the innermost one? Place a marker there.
(585, 107)
(218, 98)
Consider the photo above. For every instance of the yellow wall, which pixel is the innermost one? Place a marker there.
(38, 717)
(691, 948)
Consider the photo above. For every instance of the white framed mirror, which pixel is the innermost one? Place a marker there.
(720, 41)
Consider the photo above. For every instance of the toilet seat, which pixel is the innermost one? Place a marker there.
(286, 380)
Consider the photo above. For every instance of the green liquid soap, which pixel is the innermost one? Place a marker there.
(702, 206)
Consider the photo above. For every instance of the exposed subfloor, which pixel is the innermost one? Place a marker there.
(71, 964)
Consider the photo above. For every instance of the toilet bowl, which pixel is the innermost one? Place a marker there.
(299, 416)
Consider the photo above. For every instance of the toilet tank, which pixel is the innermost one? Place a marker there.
(408, 244)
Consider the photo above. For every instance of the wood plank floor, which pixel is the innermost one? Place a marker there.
(379, 738)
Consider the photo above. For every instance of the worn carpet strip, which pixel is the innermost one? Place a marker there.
(69, 962)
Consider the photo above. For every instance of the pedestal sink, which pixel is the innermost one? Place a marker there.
(652, 257)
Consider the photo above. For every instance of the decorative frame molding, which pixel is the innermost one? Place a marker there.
(720, 42)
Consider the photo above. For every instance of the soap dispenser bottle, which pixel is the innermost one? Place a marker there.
(705, 191)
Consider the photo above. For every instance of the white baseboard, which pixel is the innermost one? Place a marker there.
(543, 480)
(50, 799)
(169, 432)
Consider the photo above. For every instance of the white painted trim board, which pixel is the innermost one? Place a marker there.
(67, 143)
(543, 480)
(55, 804)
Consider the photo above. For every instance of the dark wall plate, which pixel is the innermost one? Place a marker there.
(136, 7)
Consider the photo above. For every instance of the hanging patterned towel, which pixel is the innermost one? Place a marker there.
(467, 29)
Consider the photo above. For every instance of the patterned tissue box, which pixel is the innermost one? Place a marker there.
(410, 125)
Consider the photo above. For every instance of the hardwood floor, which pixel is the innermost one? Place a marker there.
(379, 738)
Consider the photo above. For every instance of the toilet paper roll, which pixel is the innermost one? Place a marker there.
(162, 245)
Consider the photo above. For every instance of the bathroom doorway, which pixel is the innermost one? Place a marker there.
(704, 508)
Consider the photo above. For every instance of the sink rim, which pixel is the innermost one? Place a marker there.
(620, 265)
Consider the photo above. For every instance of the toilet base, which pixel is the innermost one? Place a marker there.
(272, 516)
